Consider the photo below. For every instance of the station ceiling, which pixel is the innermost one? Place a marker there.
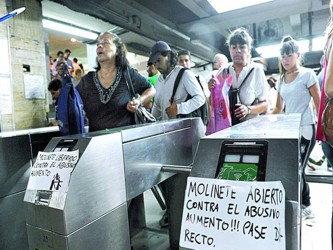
(196, 26)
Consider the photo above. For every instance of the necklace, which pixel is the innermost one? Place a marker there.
(106, 94)
(292, 71)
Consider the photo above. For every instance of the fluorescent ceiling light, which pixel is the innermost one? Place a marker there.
(224, 6)
(269, 50)
(274, 50)
(318, 43)
(48, 24)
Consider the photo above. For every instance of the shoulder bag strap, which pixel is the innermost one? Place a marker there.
(248, 74)
(175, 86)
(129, 82)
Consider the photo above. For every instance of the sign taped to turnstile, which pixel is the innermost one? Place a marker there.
(52, 170)
(225, 215)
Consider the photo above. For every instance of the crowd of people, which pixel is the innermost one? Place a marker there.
(237, 90)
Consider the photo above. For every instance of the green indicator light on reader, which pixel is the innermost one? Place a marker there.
(239, 171)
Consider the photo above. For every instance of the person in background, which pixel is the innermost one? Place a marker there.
(153, 74)
(59, 60)
(184, 59)
(166, 62)
(104, 92)
(296, 87)
(246, 75)
(54, 88)
(82, 69)
(75, 66)
(68, 61)
(326, 91)
(220, 60)
(272, 94)
(77, 77)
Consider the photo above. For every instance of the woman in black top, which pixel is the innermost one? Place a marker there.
(104, 92)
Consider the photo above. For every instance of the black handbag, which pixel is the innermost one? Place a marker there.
(141, 115)
(235, 99)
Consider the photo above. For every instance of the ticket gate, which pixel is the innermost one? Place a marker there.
(17, 152)
(268, 148)
(114, 167)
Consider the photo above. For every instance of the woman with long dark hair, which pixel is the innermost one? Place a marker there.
(104, 92)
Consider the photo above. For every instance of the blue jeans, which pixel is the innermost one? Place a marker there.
(328, 152)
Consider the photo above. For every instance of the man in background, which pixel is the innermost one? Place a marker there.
(184, 59)
(153, 74)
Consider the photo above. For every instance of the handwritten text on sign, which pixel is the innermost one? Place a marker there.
(52, 170)
(222, 214)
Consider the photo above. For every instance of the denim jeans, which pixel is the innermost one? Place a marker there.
(328, 152)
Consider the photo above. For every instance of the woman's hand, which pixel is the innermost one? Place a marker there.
(242, 111)
(133, 105)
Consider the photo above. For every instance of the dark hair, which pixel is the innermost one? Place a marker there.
(68, 51)
(121, 57)
(289, 45)
(239, 36)
(54, 85)
(75, 59)
(60, 53)
(272, 82)
(184, 52)
(173, 57)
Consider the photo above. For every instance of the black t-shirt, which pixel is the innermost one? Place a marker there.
(112, 113)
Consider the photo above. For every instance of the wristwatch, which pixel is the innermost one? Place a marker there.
(249, 109)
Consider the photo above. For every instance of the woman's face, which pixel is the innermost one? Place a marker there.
(239, 53)
(289, 61)
(106, 49)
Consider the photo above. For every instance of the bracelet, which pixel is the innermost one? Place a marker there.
(248, 110)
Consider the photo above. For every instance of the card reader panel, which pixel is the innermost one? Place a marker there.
(242, 161)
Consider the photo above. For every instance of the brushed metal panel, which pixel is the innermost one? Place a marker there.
(97, 185)
(109, 232)
(144, 158)
(13, 233)
(15, 160)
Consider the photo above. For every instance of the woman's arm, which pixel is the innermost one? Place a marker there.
(279, 105)
(315, 93)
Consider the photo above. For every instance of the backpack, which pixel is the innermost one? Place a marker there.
(327, 120)
(69, 110)
(203, 111)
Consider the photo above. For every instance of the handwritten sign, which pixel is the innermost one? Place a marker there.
(52, 170)
(237, 215)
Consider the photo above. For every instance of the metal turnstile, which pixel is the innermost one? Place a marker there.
(114, 168)
(17, 152)
(270, 145)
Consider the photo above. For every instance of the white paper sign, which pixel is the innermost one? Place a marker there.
(233, 215)
(34, 86)
(52, 170)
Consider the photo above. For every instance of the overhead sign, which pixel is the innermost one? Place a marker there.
(237, 215)
(52, 170)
